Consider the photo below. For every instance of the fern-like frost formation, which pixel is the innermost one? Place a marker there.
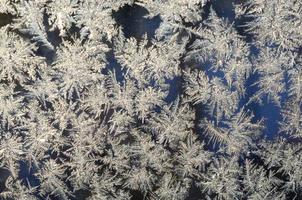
(89, 112)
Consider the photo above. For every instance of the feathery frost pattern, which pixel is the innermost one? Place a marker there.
(88, 111)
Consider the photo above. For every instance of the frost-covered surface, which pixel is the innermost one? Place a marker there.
(88, 111)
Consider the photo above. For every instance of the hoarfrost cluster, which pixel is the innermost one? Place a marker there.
(89, 112)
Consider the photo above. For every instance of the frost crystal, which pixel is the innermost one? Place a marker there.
(90, 110)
